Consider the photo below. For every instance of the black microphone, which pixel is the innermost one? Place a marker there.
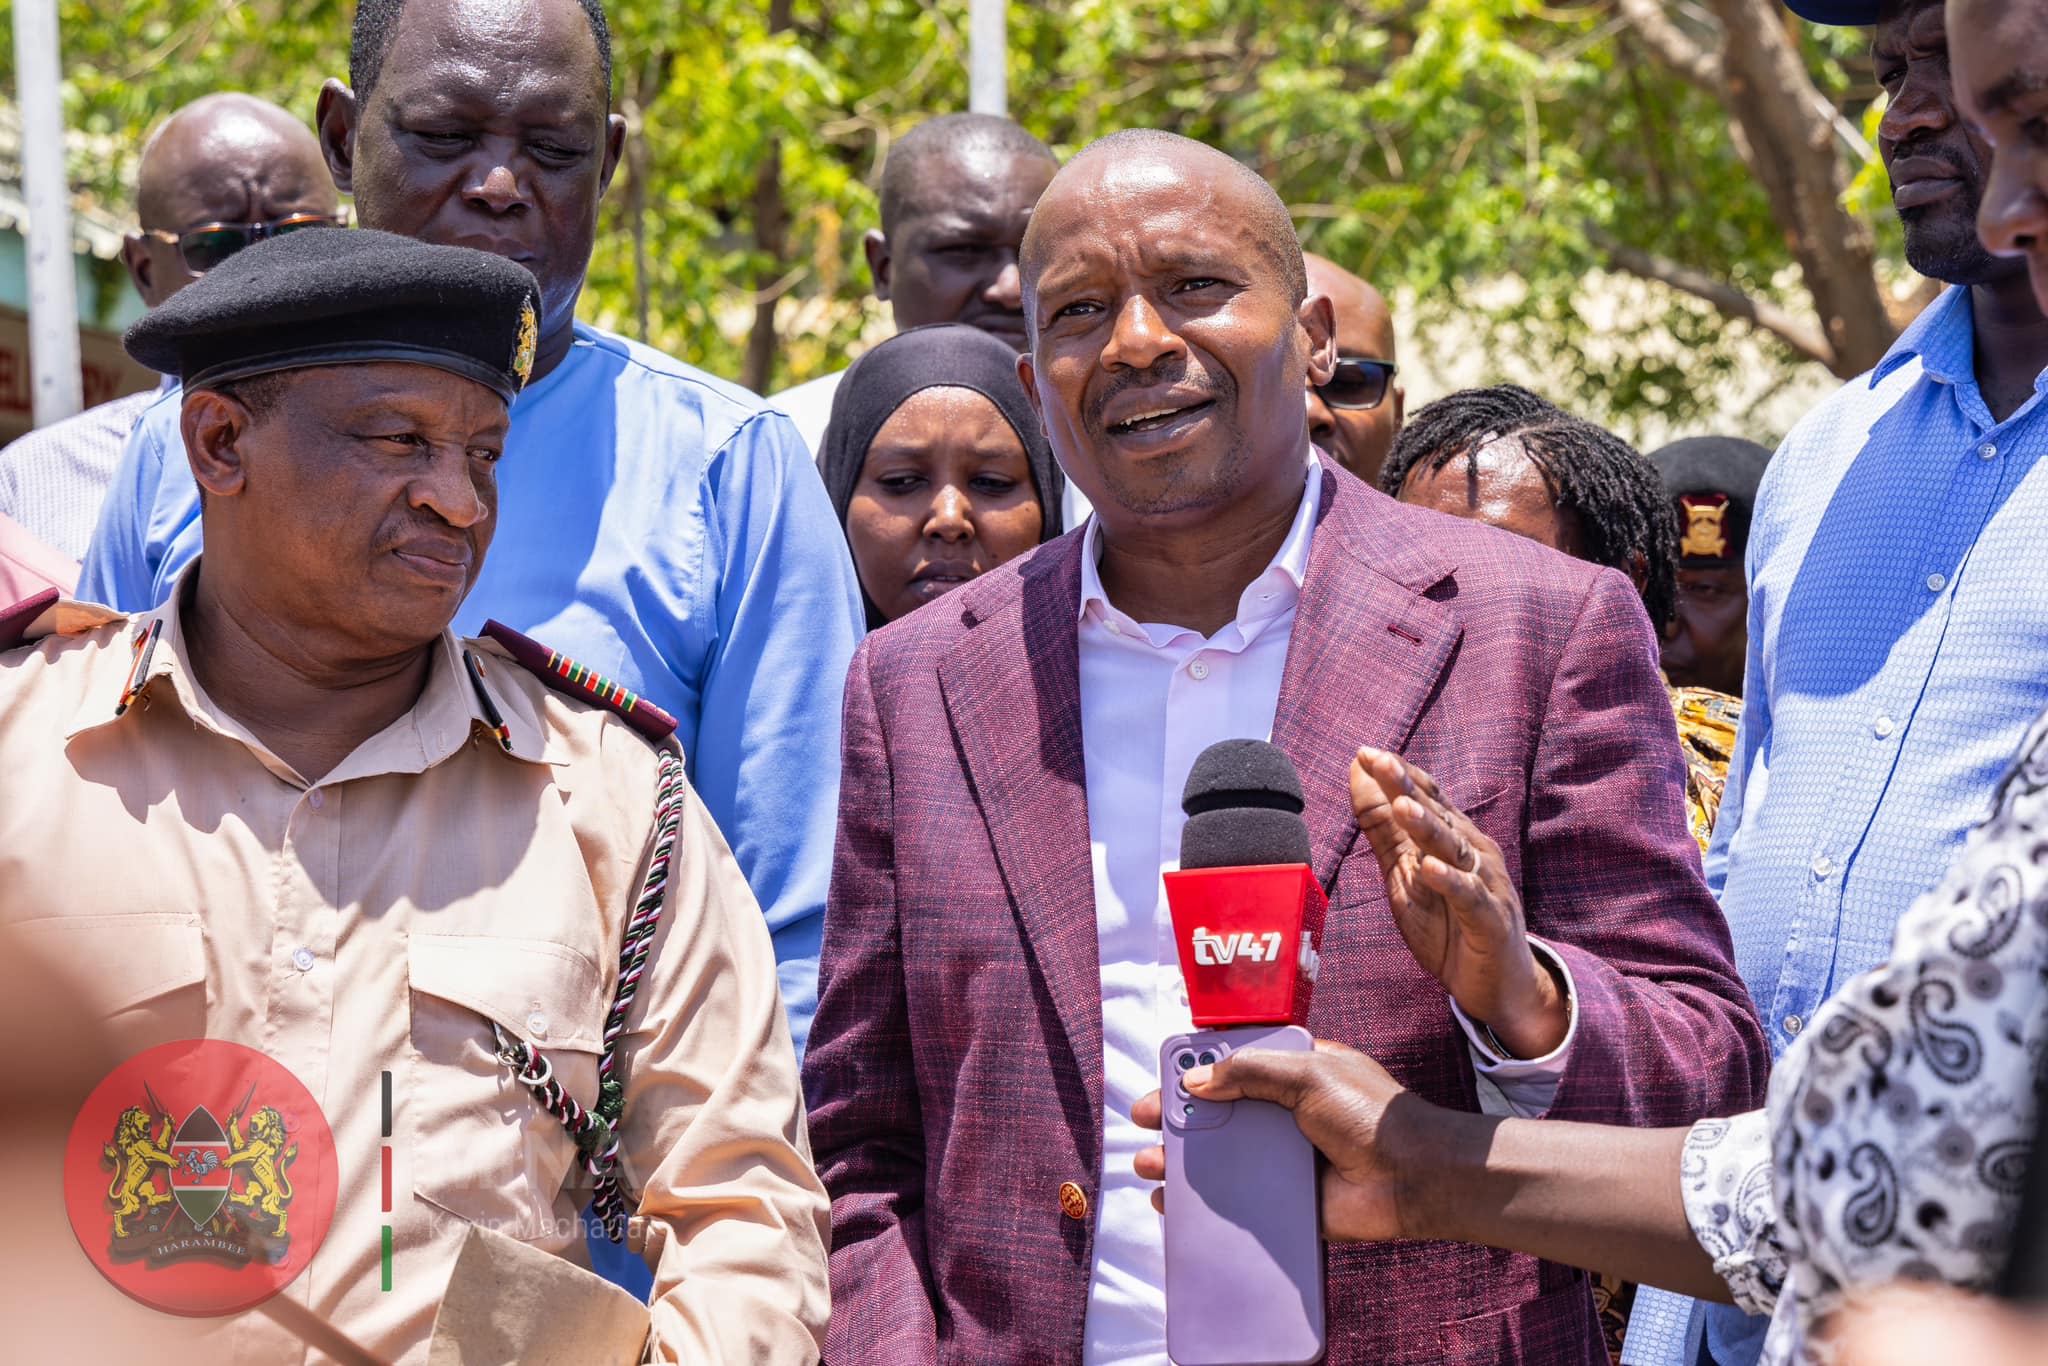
(1243, 800)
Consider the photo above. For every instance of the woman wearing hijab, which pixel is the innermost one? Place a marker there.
(937, 466)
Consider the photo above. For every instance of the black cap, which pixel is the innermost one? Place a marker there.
(346, 296)
(1713, 479)
(1843, 13)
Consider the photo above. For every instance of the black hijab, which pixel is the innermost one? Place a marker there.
(943, 355)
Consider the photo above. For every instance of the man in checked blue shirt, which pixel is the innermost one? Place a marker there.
(1898, 628)
(656, 524)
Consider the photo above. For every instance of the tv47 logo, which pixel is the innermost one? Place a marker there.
(1220, 950)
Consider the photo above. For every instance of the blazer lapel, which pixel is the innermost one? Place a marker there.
(1366, 652)
(1013, 693)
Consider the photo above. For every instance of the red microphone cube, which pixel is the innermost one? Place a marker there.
(1247, 939)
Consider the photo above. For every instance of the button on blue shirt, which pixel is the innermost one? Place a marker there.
(663, 528)
(1898, 652)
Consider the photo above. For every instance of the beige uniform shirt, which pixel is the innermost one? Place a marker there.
(380, 920)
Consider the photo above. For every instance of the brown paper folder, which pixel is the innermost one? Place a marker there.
(510, 1302)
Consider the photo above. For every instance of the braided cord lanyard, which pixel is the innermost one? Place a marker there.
(595, 1129)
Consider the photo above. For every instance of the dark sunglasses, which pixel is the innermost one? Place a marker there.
(1358, 383)
(208, 245)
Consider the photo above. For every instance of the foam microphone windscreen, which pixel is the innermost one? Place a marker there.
(1243, 801)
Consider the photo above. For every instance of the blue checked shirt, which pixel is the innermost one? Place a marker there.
(54, 479)
(665, 529)
(1898, 653)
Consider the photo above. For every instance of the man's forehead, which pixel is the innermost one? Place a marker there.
(1915, 24)
(976, 181)
(1112, 194)
(419, 391)
(1145, 235)
(530, 36)
(544, 94)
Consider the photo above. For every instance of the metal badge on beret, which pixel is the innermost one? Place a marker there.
(528, 343)
(1706, 531)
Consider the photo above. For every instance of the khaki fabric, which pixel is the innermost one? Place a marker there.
(381, 919)
(511, 1303)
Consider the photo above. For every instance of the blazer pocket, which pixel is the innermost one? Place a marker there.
(1558, 1327)
(483, 1148)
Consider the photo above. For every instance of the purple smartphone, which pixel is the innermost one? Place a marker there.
(1244, 1250)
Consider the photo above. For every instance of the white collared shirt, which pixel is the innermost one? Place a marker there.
(1152, 698)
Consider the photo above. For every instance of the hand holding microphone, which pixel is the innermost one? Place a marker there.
(1455, 904)
(1345, 1104)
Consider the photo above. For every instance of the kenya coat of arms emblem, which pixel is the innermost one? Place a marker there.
(187, 1213)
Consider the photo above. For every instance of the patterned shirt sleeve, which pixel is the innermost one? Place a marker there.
(1725, 1178)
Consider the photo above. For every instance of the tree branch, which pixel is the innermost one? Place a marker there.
(1669, 42)
(1797, 333)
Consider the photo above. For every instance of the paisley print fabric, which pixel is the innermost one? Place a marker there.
(1897, 1134)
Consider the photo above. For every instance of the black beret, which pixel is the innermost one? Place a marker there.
(345, 296)
(1713, 479)
(1844, 13)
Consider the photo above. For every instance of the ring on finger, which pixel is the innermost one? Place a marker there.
(1468, 855)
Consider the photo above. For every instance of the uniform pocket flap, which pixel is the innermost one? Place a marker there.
(548, 994)
(157, 954)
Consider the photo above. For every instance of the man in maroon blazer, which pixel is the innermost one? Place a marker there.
(999, 967)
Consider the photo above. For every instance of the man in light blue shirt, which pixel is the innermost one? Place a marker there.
(657, 525)
(1898, 627)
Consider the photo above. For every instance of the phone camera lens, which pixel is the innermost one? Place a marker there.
(1208, 1058)
(1184, 1061)
(1188, 1109)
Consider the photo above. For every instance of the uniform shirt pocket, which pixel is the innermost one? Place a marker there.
(483, 1147)
(147, 980)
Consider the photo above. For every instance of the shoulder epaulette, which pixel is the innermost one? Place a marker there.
(565, 675)
(49, 613)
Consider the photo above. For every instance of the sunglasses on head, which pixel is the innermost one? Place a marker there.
(206, 246)
(1358, 383)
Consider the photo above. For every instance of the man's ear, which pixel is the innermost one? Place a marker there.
(216, 428)
(1318, 321)
(1400, 407)
(614, 148)
(141, 265)
(877, 248)
(1027, 374)
(334, 120)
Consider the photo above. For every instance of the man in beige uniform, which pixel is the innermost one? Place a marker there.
(292, 810)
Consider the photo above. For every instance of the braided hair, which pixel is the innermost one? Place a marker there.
(1601, 482)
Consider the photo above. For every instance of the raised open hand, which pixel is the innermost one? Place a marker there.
(1455, 904)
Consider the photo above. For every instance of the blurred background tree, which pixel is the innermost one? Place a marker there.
(1504, 165)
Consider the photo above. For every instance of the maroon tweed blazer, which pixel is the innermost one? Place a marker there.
(955, 1067)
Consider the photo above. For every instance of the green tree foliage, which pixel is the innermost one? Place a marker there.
(1489, 155)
